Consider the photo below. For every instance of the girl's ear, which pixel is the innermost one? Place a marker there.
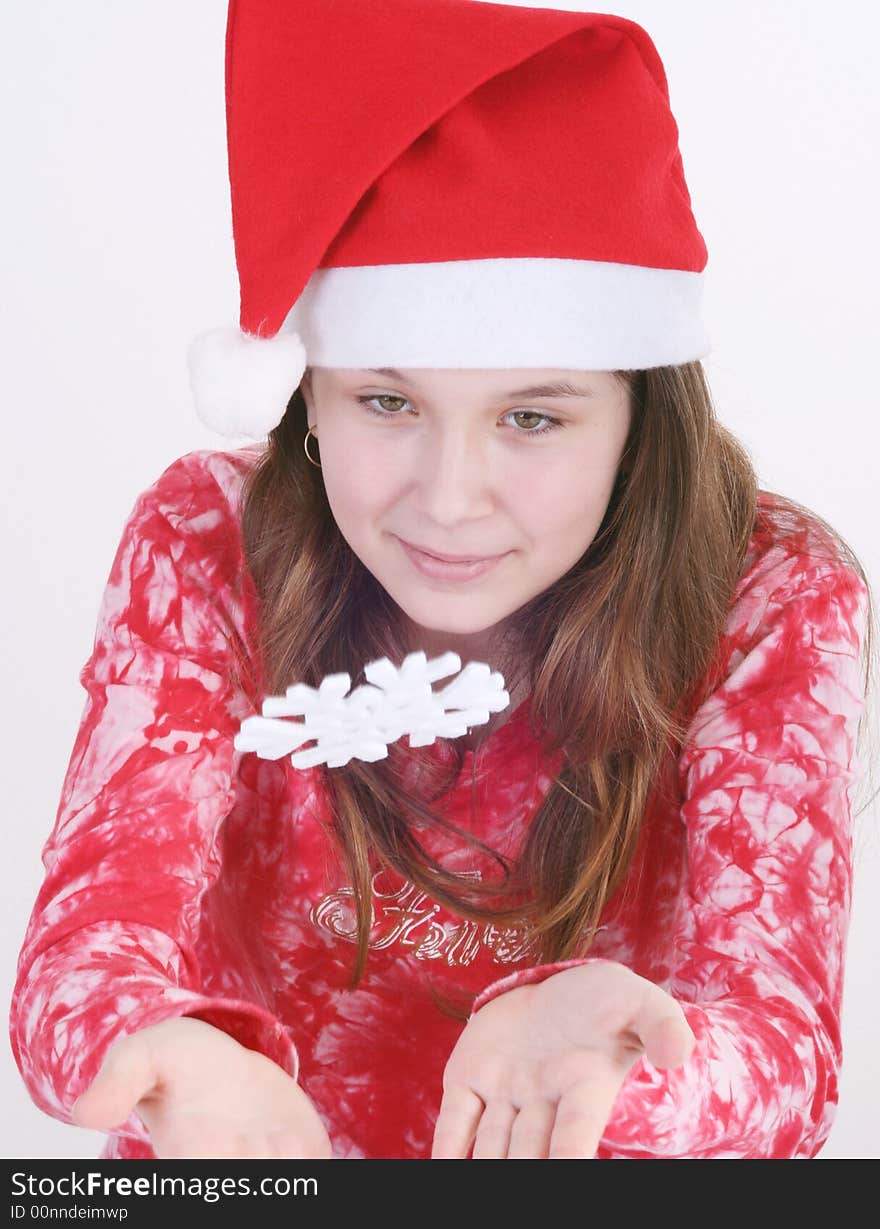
(305, 387)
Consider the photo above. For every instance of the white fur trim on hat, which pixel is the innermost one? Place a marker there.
(506, 312)
(241, 384)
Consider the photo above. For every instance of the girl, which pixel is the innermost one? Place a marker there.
(608, 922)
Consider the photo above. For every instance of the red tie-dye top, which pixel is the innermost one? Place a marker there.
(185, 877)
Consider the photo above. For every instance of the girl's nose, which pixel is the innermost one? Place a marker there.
(455, 476)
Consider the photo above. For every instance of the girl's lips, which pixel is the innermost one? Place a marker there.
(440, 569)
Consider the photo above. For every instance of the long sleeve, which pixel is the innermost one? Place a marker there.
(760, 938)
(108, 949)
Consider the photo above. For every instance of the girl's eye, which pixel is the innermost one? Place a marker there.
(549, 423)
(368, 402)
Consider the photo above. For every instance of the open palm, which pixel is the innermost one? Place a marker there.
(536, 1070)
(201, 1094)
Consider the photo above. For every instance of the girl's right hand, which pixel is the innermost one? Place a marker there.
(202, 1095)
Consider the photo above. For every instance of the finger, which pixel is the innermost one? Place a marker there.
(127, 1074)
(456, 1124)
(582, 1115)
(664, 1031)
(493, 1132)
(188, 1140)
(295, 1145)
(532, 1130)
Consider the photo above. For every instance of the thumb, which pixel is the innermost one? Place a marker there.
(127, 1074)
(668, 1039)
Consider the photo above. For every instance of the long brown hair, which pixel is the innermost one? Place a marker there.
(618, 653)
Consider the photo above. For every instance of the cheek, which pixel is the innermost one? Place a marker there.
(350, 495)
(357, 478)
(566, 500)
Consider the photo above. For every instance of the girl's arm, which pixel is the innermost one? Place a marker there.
(760, 940)
(109, 946)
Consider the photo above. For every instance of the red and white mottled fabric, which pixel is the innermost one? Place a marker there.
(183, 877)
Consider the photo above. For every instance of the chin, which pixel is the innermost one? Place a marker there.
(430, 617)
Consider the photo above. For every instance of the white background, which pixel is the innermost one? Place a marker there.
(117, 250)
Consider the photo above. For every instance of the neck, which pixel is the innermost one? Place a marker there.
(487, 646)
(473, 740)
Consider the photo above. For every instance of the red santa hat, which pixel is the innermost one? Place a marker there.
(445, 183)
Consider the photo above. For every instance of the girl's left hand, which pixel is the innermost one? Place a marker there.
(536, 1071)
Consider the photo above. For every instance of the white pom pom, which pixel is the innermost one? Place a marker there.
(241, 384)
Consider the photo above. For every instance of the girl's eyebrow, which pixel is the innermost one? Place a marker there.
(558, 389)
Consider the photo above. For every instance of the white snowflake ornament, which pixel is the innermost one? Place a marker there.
(361, 725)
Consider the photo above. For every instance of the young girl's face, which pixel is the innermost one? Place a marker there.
(473, 463)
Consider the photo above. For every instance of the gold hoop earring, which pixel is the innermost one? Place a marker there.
(317, 464)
